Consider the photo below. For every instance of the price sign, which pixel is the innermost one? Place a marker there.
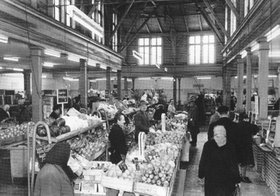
(62, 96)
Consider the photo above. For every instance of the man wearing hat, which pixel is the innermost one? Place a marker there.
(141, 120)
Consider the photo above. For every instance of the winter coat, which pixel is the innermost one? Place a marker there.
(142, 123)
(118, 144)
(218, 165)
(53, 181)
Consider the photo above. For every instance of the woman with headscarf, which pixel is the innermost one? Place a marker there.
(56, 177)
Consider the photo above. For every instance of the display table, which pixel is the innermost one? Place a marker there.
(268, 166)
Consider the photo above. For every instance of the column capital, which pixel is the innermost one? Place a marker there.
(263, 43)
(34, 47)
(248, 49)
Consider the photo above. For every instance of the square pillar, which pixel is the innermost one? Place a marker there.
(226, 86)
(27, 82)
(263, 76)
(175, 91)
(125, 86)
(119, 81)
(83, 82)
(108, 80)
(179, 93)
(249, 79)
(240, 74)
(36, 64)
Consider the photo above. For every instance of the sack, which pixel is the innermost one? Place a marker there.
(237, 191)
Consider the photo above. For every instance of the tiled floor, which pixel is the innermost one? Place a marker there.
(194, 187)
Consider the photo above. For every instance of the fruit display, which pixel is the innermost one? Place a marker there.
(57, 127)
(15, 132)
(89, 145)
(115, 171)
(111, 110)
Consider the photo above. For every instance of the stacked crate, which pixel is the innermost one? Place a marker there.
(259, 158)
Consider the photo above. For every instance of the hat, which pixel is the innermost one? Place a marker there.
(142, 102)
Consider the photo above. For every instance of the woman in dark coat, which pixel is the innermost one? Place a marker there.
(118, 148)
(218, 165)
(56, 177)
(244, 149)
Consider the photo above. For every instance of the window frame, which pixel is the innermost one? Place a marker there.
(150, 47)
(197, 47)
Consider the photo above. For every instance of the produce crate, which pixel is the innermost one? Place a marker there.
(117, 183)
(88, 188)
(19, 161)
(12, 140)
(148, 189)
(259, 158)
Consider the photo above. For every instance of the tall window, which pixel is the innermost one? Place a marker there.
(232, 19)
(115, 37)
(248, 4)
(68, 18)
(201, 49)
(57, 10)
(151, 51)
(226, 21)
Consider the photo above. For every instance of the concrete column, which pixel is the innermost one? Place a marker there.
(263, 76)
(36, 63)
(83, 82)
(108, 80)
(125, 86)
(179, 93)
(63, 12)
(226, 86)
(249, 79)
(119, 80)
(133, 83)
(175, 91)
(240, 74)
(27, 82)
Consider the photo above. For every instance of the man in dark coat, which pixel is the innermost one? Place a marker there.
(244, 145)
(141, 120)
(118, 148)
(231, 127)
(218, 165)
(193, 124)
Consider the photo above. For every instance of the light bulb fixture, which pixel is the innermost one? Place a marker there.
(4, 39)
(157, 65)
(203, 77)
(243, 54)
(137, 55)
(273, 33)
(17, 69)
(243, 77)
(165, 69)
(15, 59)
(52, 53)
(272, 76)
(48, 64)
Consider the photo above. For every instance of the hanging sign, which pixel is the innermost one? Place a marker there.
(62, 96)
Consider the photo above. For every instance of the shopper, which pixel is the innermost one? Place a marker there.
(244, 145)
(4, 112)
(231, 127)
(56, 112)
(193, 125)
(141, 120)
(159, 109)
(218, 165)
(214, 117)
(118, 148)
(56, 177)
(171, 109)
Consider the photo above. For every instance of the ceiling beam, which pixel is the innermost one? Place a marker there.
(159, 25)
(207, 3)
(170, 17)
(144, 1)
(186, 23)
(93, 8)
(147, 27)
(184, 17)
(134, 37)
(211, 24)
(200, 22)
(233, 8)
(121, 20)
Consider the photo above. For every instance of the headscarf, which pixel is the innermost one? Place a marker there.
(59, 155)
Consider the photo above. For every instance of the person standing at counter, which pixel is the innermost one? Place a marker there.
(56, 112)
(118, 148)
(141, 120)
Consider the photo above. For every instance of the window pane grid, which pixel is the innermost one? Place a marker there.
(202, 49)
(150, 50)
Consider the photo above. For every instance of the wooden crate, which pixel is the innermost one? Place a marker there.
(117, 183)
